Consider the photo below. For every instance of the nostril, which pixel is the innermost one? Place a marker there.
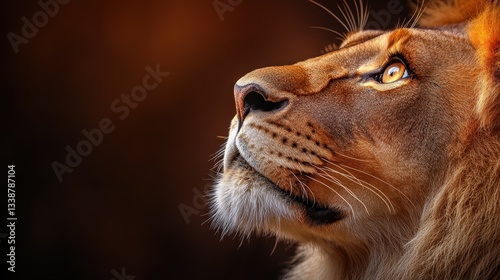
(253, 98)
(254, 101)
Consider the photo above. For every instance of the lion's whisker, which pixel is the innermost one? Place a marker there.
(417, 14)
(363, 14)
(303, 193)
(353, 158)
(338, 182)
(219, 158)
(358, 22)
(417, 19)
(337, 193)
(219, 165)
(381, 180)
(376, 191)
(349, 18)
(361, 181)
(217, 155)
(399, 24)
(304, 187)
(342, 36)
(331, 13)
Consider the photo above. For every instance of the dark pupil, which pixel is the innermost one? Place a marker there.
(393, 70)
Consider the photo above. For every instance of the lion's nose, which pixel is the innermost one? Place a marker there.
(251, 98)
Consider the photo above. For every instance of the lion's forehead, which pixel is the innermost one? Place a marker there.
(366, 51)
(362, 53)
(369, 43)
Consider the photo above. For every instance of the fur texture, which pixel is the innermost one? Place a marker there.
(374, 179)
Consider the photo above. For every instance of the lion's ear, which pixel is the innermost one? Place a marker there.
(484, 33)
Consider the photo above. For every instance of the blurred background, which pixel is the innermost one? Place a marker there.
(131, 205)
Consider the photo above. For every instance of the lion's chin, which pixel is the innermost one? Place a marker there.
(246, 202)
(245, 206)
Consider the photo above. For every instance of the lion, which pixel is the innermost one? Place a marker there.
(380, 158)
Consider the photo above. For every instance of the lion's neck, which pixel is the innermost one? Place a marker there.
(358, 261)
(355, 264)
(457, 237)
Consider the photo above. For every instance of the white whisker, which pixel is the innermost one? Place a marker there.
(363, 15)
(330, 12)
(376, 191)
(359, 26)
(420, 14)
(342, 36)
(381, 180)
(399, 24)
(338, 182)
(303, 192)
(348, 16)
(353, 158)
(219, 153)
(218, 157)
(337, 193)
(219, 165)
(415, 17)
(304, 187)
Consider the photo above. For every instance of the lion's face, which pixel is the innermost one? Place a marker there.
(326, 149)
(383, 154)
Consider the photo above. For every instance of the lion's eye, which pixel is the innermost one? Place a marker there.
(393, 72)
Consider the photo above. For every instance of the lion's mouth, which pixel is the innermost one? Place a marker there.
(315, 213)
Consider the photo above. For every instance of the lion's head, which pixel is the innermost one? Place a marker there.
(381, 157)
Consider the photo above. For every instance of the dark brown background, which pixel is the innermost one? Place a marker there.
(120, 206)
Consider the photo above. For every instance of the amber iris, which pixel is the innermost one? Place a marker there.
(394, 72)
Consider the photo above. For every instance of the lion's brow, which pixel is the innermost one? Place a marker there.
(396, 37)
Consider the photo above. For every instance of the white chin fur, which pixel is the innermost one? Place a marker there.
(247, 207)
